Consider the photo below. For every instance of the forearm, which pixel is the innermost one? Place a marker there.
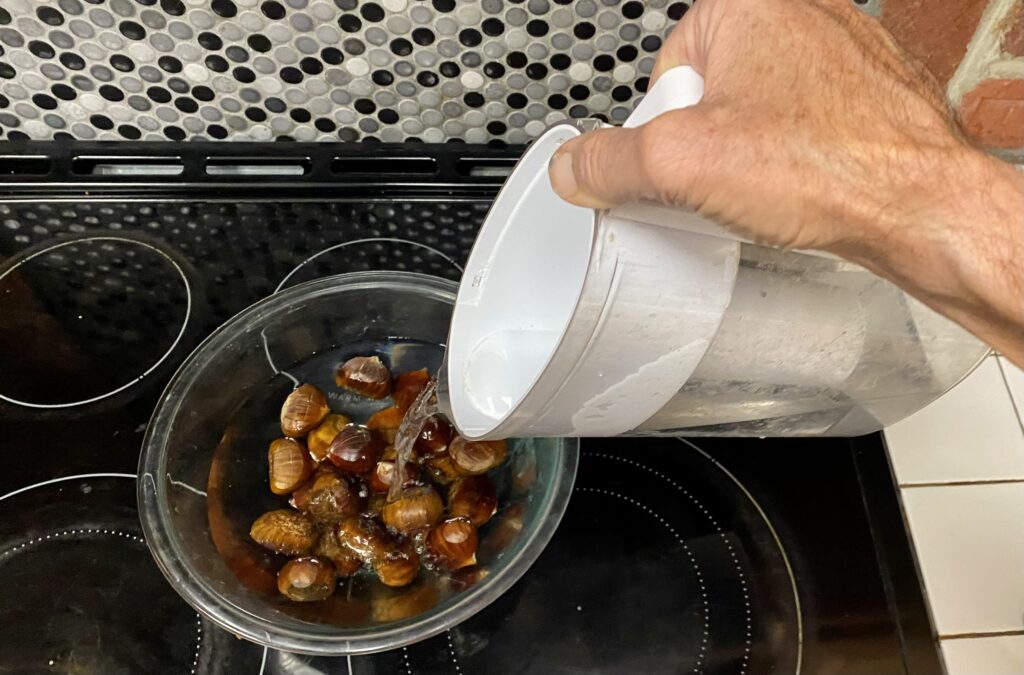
(955, 241)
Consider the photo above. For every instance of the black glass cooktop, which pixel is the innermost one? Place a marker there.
(707, 556)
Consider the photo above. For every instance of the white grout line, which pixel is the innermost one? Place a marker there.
(960, 483)
(982, 50)
(1017, 405)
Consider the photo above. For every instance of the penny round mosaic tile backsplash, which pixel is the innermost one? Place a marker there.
(322, 70)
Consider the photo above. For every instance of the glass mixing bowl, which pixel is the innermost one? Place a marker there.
(203, 470)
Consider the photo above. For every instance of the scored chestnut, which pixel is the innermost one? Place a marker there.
(320, 438)
(399, 564)
(284, 531)
(289, 465)
(453, 543)
(408, 386)
(474, 497)
(354, 449)
(434, 437)
(306, 579)
(471, 458)
(303, 410)
(365, 375)
(416, 508)
(328, 497)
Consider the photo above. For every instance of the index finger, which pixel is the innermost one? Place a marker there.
(684, 45)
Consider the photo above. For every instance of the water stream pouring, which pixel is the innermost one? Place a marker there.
(645, 319)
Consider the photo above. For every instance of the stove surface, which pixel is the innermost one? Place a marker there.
(711, 556)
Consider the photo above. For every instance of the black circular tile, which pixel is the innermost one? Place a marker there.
(224, 8)
(132, 30)
(50, 16)
(371, 11)
(272, 10)
(259, 43)
(401, 47)
(216, 63)
(41, 49)
(423, 36)
(332, 56)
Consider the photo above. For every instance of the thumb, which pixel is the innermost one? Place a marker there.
(600, 169)
(608, 167)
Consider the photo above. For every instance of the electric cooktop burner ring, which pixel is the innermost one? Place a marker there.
(150, 246)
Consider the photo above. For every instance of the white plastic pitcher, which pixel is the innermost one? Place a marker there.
(650, 320)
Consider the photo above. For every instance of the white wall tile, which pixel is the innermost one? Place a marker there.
(997, 655)
(970, 433)
(970, 548)
(1014, 378)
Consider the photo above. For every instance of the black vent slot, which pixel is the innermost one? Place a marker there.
(384, 166)
(13, 165)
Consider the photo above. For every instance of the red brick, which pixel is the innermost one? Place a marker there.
(934, 31)
(1013, 41)
(993, 113)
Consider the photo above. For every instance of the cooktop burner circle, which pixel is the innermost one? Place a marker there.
(88, 317)
(373, 253)
(78, 589)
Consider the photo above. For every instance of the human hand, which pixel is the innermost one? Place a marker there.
(816, 131)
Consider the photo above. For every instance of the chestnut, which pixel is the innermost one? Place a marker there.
(303, 411)
(306, 579)
(381, 476)
(386, 422)
(474, 497)
(365, 537)
(328, 498)
(354, 449)
(434, 437)
(524, 473)
(441, 469)
(398, 565)
(452, 543)
(284, 531)
(389, 605)
(365, 375)
(408, 386)
(505, 529)
(320, 438)
(463, 578)
(289, 465)
(345, 562)
(416, 508)
(472, 458)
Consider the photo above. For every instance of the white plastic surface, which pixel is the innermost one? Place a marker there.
(519, 290)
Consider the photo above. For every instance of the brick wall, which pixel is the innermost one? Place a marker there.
(975, 48)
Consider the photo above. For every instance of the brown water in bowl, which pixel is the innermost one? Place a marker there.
(238, 493)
